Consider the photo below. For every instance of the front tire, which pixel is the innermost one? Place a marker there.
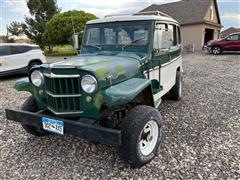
(216, 50)
(176, 91)
(141, 135)
(209, 50)
(31, 106)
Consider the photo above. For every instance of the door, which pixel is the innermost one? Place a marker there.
(159, 55)
(209, 35)
(238, 44)
(18, 58)
(166, 53)
(168, 69)
(232, 42)
(4, 53)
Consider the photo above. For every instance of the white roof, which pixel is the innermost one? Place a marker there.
(18, 44)
(132, 18)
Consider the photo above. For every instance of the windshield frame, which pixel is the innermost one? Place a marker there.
(145, 48)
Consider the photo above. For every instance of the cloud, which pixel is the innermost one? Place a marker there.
(231, 16)
(102, 8)
(17, 6)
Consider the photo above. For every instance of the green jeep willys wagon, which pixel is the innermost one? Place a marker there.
(112, 91)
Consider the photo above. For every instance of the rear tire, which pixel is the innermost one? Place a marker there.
(216, 50)
(141, 135)
(31, 106)
(176, 91)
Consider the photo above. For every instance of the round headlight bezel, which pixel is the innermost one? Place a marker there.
(40, 75)
(94, 81)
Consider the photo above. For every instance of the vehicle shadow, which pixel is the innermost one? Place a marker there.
(231, 53)
(234, 53)
(12, 77)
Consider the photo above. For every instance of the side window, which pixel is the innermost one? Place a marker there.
(173, 29)
(24, 49)
(13, 50)
(4, 50)
(35, 48)
(179, 35)
(19, 49)
(233, 37)
(157, 42)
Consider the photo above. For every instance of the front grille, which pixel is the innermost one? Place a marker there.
(63, 93)
(62, 86)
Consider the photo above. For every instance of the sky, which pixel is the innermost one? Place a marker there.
(16, 10)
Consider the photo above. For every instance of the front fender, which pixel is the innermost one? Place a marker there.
(125, 92)
(24, 85)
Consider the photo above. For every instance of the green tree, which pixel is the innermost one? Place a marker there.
(60, 28)
(41, 12)
(16, 28)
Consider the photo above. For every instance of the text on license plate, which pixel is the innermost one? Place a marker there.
(53, 125)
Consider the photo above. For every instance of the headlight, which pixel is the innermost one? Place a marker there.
(36, 78)
(89, 84)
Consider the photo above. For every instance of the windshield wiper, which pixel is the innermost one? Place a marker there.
(132, 43)
(90, 45)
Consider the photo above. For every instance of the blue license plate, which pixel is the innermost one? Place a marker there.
(53, 125)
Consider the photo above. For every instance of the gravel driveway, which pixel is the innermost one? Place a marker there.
(201, 134)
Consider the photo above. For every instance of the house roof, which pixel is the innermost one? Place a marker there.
(229, 31)
(186, 11)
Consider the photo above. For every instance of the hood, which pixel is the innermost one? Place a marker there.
(106, 68)
(213, 41)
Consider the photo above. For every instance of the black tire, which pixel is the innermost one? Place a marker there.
(176, 91)
(216, 50)
(132, 134)
(209, 50)
(31, 106)
(32, 64)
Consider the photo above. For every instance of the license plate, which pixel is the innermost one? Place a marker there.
(53, 125)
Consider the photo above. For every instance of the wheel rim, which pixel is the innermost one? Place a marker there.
(149, 137)
(216, 50)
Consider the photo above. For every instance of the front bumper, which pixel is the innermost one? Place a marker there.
(83, 128)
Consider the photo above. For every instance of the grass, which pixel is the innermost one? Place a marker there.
(65, 50)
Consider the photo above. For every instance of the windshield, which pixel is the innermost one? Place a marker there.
(116, 36)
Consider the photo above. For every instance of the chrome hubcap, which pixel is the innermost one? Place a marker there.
(149, 137)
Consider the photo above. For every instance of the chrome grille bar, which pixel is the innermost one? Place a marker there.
(67, 95)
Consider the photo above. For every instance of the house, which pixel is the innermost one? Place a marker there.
(3, 39)
(199, 19)
(229, 31)
(23, 40)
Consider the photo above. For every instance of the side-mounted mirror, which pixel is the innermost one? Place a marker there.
(166, 41)
(75, 41)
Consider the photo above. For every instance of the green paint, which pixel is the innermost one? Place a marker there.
(120, 70)
(125, 92)
(101, 72)
(25, 85)
(126, 69)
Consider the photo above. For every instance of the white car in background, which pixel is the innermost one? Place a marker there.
(19, 58)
